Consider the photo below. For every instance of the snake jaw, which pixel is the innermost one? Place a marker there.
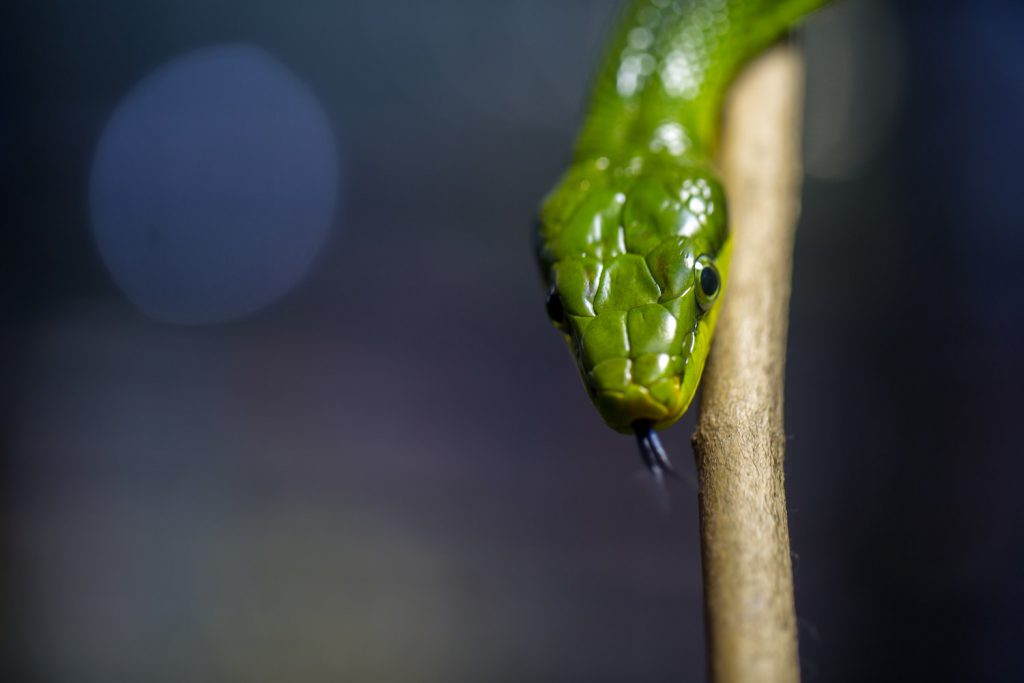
(651, 450)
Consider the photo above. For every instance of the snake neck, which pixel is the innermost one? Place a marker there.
(660, 90)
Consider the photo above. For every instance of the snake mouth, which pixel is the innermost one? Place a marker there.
(622, 410)
(635, 403)
(649, 387)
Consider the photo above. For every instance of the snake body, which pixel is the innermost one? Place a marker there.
(634, 240)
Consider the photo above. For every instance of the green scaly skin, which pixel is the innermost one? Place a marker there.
(624, 237)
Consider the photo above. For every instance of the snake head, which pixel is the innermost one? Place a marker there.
(635, 263)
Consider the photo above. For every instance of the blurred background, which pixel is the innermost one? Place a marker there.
(280, 400)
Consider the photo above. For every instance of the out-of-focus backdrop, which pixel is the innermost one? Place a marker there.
(280, 401)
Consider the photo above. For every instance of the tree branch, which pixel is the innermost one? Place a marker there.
(739, 443)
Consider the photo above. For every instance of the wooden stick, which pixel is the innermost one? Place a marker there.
(739, 443)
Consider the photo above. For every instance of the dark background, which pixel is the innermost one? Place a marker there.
(391, 473)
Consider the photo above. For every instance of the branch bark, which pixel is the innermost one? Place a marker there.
(740, 441)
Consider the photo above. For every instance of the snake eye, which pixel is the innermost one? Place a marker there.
(554, 308)
(708, 282)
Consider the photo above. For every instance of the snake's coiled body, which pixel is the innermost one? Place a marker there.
(634, 240)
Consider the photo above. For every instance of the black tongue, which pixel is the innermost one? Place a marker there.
(651, 450)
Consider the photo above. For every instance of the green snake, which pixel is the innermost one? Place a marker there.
(633, 241)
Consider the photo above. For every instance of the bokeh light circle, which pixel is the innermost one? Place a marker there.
(214, 186)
